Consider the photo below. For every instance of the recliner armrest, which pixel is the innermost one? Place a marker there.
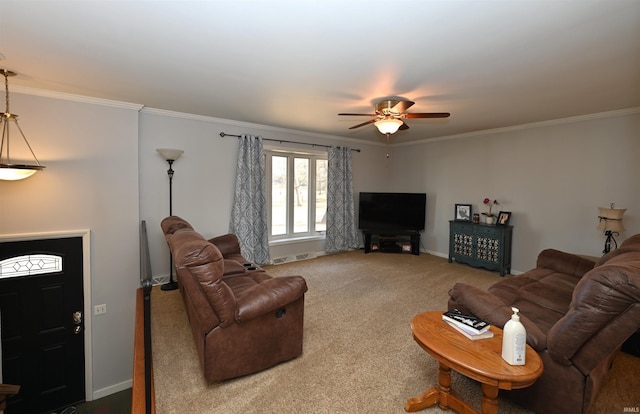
(490, 308)
(268, 296)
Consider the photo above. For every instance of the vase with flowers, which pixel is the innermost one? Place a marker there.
(490, 218)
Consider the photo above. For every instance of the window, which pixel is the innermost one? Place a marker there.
(297, 194)
(34, 264)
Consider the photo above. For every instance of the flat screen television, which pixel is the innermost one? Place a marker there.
(392, 212)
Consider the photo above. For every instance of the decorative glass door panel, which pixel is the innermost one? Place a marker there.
(463, 244)
(488, 249)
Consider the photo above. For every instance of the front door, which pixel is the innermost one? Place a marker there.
(42, 323)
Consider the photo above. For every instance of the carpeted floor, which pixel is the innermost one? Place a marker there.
(359, 355)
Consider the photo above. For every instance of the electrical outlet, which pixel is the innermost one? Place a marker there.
(100, 309)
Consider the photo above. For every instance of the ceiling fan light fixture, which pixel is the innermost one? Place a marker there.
(388, 125)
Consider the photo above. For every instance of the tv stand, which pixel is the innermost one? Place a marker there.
(392, 242)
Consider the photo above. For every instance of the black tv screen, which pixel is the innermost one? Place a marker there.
(388, 212)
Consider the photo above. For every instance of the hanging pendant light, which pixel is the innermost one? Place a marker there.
(9, 170)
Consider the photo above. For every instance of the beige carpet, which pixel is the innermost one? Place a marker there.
(359, 355)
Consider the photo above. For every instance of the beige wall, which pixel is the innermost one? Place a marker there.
(552, 176)
(204, 177)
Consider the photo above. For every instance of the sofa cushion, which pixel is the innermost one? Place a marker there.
(238, 283)
(191, 250)
(204, 262)
(545, 287)
(470, 299)
(633, 241)
(229, 246)
(563, 262)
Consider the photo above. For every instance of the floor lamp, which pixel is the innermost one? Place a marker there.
(170, 155)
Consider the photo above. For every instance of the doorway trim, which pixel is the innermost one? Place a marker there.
(86, 291)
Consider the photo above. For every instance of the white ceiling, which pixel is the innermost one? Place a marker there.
(297, 64)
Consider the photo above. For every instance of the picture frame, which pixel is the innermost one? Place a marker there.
(503, 218)
(463, 212)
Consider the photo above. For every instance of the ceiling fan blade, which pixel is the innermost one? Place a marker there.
(360, 114)
(404, 126)
(371, 121)
(428, 115)
(402, 106)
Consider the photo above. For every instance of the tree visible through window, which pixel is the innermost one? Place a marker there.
(297, 193)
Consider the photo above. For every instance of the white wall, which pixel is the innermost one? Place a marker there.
(552, 176)
(91, 182)
(204, 178)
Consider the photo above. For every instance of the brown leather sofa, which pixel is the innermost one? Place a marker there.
(242, 319)
(577, 314)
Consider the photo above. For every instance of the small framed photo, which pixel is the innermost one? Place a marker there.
(503, 218)
(463, 212)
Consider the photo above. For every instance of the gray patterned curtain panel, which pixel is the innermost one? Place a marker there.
(342, 232)
(249, 212)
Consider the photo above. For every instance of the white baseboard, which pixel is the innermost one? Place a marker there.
(446, 256)
(296, 257)
(431, 252)
(112, 389)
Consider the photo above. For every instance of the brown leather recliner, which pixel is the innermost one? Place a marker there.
(577, 314)
(242, 320)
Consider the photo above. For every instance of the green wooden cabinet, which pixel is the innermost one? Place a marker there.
(481, 245)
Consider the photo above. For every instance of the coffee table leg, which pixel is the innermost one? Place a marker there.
(433, 395)
(443, 397)
(489, 399)
(444, 385)
(429, 398)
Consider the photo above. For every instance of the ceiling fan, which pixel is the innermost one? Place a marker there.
(390, 115)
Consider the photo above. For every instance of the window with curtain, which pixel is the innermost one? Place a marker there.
(296, 188)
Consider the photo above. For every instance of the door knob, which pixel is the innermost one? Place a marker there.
(77, 317)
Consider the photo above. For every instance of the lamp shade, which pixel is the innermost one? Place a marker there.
(388, 125)
(170, 154)
(611, 219)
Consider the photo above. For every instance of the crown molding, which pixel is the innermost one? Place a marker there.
(25, 90)
(532, 125)
(261, 127)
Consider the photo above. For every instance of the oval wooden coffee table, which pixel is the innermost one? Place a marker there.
(480, 360)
